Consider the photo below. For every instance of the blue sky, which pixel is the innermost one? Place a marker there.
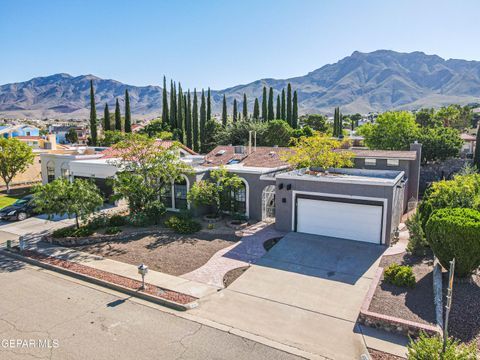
(221, 43)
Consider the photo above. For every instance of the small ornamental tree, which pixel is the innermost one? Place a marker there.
(205, 193)
(455, 233)
(71, 136)
(319, 151)
(78, 199)
(15, 157)
(431, 348)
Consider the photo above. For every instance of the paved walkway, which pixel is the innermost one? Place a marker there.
(247, 251)
(401, 246)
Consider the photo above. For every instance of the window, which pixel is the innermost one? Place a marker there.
(393, 162)
(239, 198)
(370, 162)
(167, 197)
(65, 171)
(180, 193)
(50, 172)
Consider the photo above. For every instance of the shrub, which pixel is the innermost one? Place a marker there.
(399, 275)
(83, 231)
(417, 244)
(154, 211)
(112, 230)
(73, 232)
(455, 233)
(117, 220)
(211, 226)
(139, 220)
(183, 225)
(97, 222)
(430, 348)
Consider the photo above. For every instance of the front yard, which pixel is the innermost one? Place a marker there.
(15, 194)
(165, 251)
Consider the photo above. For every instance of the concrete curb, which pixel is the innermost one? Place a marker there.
(168, 303)
(438, 292)
(390, 323)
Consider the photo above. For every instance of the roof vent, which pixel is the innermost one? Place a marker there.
(220, 152)
(239, 149)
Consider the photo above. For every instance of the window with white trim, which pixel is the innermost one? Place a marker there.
(370, 162)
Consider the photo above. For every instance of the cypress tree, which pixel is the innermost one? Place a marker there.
(180, 113)
(295, 110)
(264, 104)
(476, 156)
(165, 117)
(224, 111)
(245, 109)
(289, 104)
(173, 106)
(195, 137)
(203, 121)
(93, 116)
(256, 110)
(271, 114)
(337, 123)
(128, 115)
(106, 118)
(284, 115)
(235, 113)
(188, 121)
(209, 106)
(279, 114)
(118, 116)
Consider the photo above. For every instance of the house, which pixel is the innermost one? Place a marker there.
(363, 203)
(18, 130)
(60, 131)
(469, 143)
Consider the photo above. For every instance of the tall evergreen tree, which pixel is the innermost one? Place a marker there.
(203, 121)
(271, 114)
(224, 112)
(93, 116)
(173, 106)
(476, 156)
(165, 117)
(295, 110)
(337, 123)
(209, 106)
(180, 114)
(264, 104)
(195, 131)
(279, 111)
(235, 112)
(188, 121)
(289, 104)
(118, 116)
(128, 115)
(256, 110)
(106, 118)
(283, 109)
(245, 107)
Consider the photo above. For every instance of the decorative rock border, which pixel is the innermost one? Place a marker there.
(211, 220)
(236, 225)
(390, 323)
(90, 240)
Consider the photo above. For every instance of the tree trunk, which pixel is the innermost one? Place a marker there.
(8, 186)
(76, 221)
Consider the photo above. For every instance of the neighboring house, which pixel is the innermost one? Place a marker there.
(60, 132)
(364, 203)
(469, 143)
(19, 130)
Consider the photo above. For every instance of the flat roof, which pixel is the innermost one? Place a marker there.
(384, 154)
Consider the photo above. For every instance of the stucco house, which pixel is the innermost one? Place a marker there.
(363, 203)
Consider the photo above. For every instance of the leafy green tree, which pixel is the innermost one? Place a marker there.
(205, 193)
(235, 112)
(256, 110)
(111, 137)
(227, 183)
(476, 157)
(196, 144)
(454, 116)
(295, 110)
(245, 107)
(212, 129)
(188, 122)
(439, 143)
(271, 114)
(427, 118)
(283, 116)
(224, 112)
(128, 115)
(209, 105)
(238, 133)
(392, 131)
(279, 111)
(173, 106)
(317, 122)
(118, 116)
(319, 151)
(106, 119)
(165, 116)
(71, 136)
(289, 104)
(15, 158)
(203, 121)
(264, 105)
(157, 129)
(278, 133)
(93, 116)
(79, 199)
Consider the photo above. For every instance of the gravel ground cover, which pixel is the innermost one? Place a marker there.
(233, 275)
(380, 355)
(112, 278)
(414, 304)
(165, 251)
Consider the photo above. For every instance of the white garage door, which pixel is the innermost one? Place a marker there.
(339, 219)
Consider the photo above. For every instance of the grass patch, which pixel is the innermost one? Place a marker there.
(7, 200)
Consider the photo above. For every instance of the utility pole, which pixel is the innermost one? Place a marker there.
(449, 304)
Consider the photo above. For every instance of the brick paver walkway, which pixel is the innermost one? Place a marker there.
(245, 252)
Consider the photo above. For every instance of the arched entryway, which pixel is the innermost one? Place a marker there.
(268, 203)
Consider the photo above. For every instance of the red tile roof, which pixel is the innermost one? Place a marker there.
(262, 156)
(166, 144)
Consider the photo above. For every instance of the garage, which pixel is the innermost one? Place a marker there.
(352, 219)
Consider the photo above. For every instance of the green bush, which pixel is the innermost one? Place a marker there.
(183, 225)
(117, 220)
(430, 348)
(83, 231)
(154, 211)
(399, 275)
(455, 233)
(112, 230)
(97, 222)
(73, 232)
(417, 244)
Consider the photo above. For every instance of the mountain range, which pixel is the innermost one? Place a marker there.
(362, 82)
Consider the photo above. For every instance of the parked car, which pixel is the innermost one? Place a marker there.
(19, 210)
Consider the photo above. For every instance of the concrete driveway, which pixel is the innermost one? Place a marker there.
(306, 293)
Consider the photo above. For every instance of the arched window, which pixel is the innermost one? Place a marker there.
(239, 198)
(174, 197)
(65, 171)
(50, 171)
